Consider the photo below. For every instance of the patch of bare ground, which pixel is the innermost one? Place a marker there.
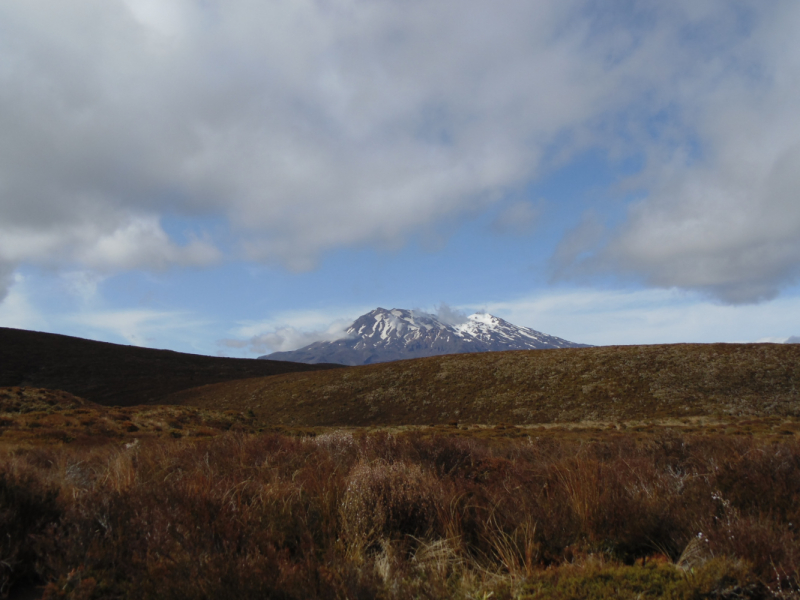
(620, 384)
(113, 374)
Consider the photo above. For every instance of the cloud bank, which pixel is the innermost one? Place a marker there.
(449, 315)
(650, 316)
(286, 338)
(292, 330)
(307, 126)
(720, 211)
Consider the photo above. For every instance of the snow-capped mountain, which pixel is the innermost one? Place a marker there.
(385, 335)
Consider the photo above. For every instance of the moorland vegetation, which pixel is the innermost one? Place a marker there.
(638, 472)
(418, 514)
(604, 384)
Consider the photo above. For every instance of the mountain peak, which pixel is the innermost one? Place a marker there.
(383, 335)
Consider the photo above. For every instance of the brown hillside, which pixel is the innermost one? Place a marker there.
(36, 416)
(113, 374)
(540, 386)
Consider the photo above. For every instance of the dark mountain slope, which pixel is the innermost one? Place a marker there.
(113, 374)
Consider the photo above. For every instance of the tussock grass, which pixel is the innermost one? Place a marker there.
(404, 515)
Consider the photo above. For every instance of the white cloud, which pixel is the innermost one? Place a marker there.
(291, 330)
(143, 243)
(773, 340)
(315, 125)
(449, 315)
(165, 17)
(721, 212)
(81, 311)
(139, 327)
(6, 279)
(287, 338)
(652, 316)
(16, 309)
(134, 243)
(308, 125)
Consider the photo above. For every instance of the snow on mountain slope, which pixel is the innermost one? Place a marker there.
(385, 335)
(494, 330)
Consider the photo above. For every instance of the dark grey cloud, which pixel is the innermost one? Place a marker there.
(6, 278)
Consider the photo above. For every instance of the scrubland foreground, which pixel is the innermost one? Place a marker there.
(418, 514)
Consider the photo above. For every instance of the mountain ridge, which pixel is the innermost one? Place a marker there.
(383, 335)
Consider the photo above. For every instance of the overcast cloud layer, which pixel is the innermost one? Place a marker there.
(312, 125)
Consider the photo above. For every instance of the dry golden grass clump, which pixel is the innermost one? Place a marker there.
(384, 499)
(270, 516)
(604, 384)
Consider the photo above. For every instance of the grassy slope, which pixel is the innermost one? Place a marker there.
(113, 374)
(539, 386)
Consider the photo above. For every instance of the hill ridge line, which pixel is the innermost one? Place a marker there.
(527, 386)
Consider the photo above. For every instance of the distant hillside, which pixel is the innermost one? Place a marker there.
(113, 374)
(385, 335)
(542, 386)
(36, 415)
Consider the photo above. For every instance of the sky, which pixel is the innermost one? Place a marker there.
(238, 177)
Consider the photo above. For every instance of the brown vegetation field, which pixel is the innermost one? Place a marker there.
(113, 374)
(32, 416)
(420, 514)
(604, 384)
(632, 472)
